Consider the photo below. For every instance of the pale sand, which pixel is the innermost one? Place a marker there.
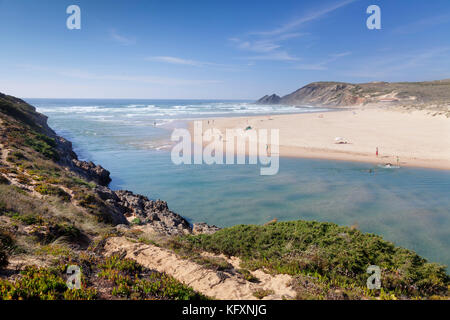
(417, 138)
(211, 283)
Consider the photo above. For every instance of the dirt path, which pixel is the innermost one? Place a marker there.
(213, 284)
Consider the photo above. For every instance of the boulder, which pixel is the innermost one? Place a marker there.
(203, 228)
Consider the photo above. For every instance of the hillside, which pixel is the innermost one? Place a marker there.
(56, 211)
(433, 94)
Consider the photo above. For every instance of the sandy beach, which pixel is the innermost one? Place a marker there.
(417, 138)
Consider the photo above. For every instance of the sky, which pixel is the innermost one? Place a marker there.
(210, 49)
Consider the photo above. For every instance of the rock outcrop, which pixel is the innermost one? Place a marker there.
(154, 212)
(139, 210)
(272, 99)
(203, 228)
(92, 172)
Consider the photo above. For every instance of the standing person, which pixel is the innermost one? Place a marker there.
(376, 153)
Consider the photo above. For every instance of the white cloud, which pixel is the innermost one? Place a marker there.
(392, 65)
(176, 60)
(86, 75)
(192, 63)
(423, 24)
(306, 18)
(123, 40)
(268, 49)
(269, 43)
(275, 56)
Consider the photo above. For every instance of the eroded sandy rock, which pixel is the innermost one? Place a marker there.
(218, 285)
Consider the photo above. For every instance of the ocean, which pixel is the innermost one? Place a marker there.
(130, 138)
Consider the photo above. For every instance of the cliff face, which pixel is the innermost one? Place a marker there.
(329, 94)
(338, 94)
(25, 114)
(41, 163)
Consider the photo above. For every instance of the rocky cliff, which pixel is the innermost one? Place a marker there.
(272, 99)
(27, 140)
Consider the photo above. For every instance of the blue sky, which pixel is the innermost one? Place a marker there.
(215, 49)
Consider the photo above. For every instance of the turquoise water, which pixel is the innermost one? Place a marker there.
(408, 206)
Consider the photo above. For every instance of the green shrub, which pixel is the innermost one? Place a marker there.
(95, 206)
(127, 266)
(6, 245)
(19, 111)
(28, 219)
(3, 258)
(18, 155)
(136, 221)
(87, 200)
(126, 274)
(42, 284)
(46, 189)
(261, 293)
(44, 145)
(214, 263)
(166, 287)
(3, 180)
(72, 182)
(248, 276)
(70, 232)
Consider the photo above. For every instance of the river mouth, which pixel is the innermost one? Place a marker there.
(408, 206)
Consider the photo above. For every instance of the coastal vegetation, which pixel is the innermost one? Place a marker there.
(101, 278)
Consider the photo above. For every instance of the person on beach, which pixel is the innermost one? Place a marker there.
(376, 152)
